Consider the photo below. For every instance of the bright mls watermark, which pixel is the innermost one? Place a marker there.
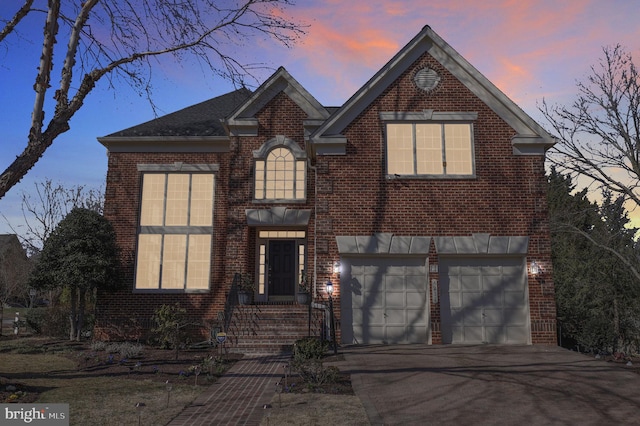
(34, 414)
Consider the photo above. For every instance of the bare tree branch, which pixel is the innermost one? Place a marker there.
(11, 25)
(118, 38)
(600, 132)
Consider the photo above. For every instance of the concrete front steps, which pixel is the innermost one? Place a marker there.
(271, 329)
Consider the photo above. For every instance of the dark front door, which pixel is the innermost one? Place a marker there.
(282, 266)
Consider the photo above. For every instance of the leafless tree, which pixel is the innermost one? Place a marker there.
(119, 38)
(45, 206)
(599, 134)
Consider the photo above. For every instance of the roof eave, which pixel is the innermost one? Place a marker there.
(166, 144)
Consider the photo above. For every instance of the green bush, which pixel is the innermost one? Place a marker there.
(307, 361)
(52, 322)
(309, 348)
(171, 326)
(35, 319)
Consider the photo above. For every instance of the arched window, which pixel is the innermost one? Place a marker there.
(280, 171)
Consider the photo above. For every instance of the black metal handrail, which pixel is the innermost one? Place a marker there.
(231, 302)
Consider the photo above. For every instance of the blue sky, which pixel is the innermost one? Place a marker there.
(530, 49)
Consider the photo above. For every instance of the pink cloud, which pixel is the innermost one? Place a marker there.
(525, 48)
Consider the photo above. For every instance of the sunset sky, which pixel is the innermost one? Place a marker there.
(530, 49)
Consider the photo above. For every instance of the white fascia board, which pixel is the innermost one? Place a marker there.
(166, 144)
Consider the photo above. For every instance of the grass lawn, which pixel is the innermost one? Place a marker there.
(103, 388)
(98, 392)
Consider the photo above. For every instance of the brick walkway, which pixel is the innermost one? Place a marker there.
(238, 397)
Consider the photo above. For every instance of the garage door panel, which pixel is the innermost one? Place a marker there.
(516, 317)
(417, 316)
(395, 300)
(455, 300)
(470, 283)
(415, 283)
(395, 317)
(471, 334)
(490, 270)
(491, 282)
(373, 300)
(394, 304)
(471, 317)
(497, 311)
(454, 283)
(493, 299)
(512, 284)
(416, 300)
(494, 334)
(372, 282)
(517, 335)
(394, 282)
(472, 299)
(492, 317)
(513, 298)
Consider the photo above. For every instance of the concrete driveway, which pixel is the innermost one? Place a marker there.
(490, 385)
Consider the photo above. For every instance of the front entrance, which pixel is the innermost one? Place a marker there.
(281, 260)
(282, 267)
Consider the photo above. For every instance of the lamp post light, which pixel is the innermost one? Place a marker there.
(332, 326)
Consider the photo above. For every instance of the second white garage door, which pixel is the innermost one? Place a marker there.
(384, 300)
(484, 301)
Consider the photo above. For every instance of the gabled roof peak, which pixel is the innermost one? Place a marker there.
(531, 138)
(242, 121)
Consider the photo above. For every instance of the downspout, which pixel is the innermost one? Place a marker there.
(315, 227)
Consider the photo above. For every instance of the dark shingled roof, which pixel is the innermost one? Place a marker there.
(202, 119)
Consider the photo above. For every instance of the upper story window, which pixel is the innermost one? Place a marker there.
(280, 171)
(176, 228)
(429, 149)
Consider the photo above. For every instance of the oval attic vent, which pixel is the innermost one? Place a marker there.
(426, 79)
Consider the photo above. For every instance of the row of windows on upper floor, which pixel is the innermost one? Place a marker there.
(412, 150)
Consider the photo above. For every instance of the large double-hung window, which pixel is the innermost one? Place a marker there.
(176, 229)
(430, 149)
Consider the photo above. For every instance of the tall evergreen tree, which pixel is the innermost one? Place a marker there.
(80, 256)
(596, 292)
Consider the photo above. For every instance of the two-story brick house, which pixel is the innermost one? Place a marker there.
(421, 199)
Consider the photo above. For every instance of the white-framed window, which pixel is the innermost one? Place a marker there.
(175, 230)
(430, 149)
(280, 171)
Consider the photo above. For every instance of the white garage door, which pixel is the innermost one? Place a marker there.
(484, 301)
(384, 300)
